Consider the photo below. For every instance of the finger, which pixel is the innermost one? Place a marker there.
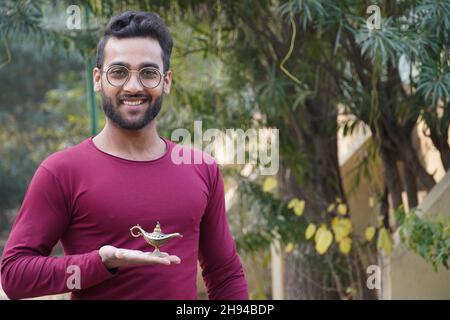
(174, 259)
(139, 257)
(166, 260)
(131, 257)
(145, 258)
(119, 254)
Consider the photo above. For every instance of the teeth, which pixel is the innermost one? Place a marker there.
(133, 103)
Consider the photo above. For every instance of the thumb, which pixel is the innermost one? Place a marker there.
(107, 252)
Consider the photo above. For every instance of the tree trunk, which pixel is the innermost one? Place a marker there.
(321, 185)
(392, 177)
(401, 143)
(411, 187)
(440, 141)
(384, 208)
(390, 169)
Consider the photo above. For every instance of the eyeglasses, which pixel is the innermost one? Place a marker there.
(117, 76)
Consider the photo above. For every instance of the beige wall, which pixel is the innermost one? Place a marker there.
(406, 274)
(358, 195)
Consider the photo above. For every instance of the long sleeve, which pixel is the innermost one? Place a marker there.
(27, 270)
(221, 267)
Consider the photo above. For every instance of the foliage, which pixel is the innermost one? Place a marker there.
(294, 65)
(428, 238)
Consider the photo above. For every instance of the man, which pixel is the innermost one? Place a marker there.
(90, 195)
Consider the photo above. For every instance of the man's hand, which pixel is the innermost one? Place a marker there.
(113, 257)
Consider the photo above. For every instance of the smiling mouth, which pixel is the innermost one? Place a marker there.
(133, 102)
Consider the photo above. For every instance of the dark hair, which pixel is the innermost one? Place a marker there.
(130, 24)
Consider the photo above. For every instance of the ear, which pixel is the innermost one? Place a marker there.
(167, 79)
(97, 74)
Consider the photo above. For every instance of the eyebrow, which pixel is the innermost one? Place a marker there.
(142, 65)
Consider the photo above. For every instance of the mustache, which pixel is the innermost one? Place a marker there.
(142, 96)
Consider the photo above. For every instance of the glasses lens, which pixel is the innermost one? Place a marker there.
(117, 75)
(150, 77)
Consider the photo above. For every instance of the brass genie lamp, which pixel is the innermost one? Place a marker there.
(156, 238)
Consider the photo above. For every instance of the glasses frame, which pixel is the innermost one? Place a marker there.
(130, 71)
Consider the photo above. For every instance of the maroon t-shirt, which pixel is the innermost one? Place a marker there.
(87, 198)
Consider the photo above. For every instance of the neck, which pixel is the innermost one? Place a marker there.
(140, 145)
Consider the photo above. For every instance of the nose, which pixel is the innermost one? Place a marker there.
(133, 84)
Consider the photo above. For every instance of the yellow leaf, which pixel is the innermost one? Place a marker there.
(345, 245)
(350, 292)
(331, 207)
(384, 241)
(347, 223)
(289, 247)
(342, 209)
(319, 230)
(324, 238)
(269, 184)
(299, 207)
(341, 228)
(310, 230)
(370, 232)
(371, 202)
(338, 200)
(292, 203)
(335, 221)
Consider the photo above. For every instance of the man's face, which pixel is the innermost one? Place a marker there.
(132, 106)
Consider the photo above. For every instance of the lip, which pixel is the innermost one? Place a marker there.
(134, 106)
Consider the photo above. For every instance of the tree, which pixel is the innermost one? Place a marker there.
(290, 65)
(282, 52)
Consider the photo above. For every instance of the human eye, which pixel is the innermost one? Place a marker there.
(149, 73)
(118, 72)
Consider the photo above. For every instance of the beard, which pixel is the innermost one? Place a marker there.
(112, 111)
